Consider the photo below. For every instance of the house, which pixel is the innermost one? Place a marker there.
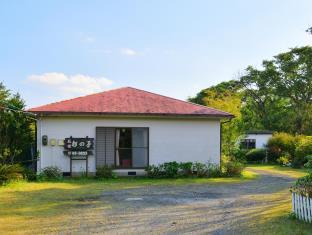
(127, 128)
(256, 139)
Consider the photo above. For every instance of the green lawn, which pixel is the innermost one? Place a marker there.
(276, 169)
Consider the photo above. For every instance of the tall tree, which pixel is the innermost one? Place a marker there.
(279, 96)
(16, 129)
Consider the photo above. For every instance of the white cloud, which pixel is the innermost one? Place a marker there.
(128, 52)
(71, 85)
(89, 39)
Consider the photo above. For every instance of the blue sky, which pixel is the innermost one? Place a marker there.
(53, 50)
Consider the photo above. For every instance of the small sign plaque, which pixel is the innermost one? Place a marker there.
(78, 148)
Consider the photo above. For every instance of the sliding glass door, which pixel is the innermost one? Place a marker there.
(131, 147)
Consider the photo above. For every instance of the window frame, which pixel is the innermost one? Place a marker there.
(147, 148)
(247, 142)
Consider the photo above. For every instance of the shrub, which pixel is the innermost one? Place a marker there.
(213, 170)
(200, 169)
(50, 173)
(10, 172)
(284, 160)
(239, 154)
(171, 169)
(231, 167)
(185, 168)
(256, 155)
(154, 171)
(303, 186)
(105, 172)
(303, 149)
(308, 164)
(29, 174)
(282, 143)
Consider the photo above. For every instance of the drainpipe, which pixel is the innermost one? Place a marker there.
(221, 123)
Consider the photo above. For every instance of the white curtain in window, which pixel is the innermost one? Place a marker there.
(117, 146)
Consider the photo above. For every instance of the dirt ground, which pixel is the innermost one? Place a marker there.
(194, 209)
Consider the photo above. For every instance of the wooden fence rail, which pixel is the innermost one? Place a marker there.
(302, 207)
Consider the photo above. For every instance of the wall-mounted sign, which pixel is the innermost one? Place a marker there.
(78, 148)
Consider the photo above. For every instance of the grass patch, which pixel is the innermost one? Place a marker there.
(277, 219)
(55, 206)
(282, 170)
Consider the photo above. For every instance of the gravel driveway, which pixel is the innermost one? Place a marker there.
(192, 209)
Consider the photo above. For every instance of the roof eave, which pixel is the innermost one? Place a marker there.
(57, 113)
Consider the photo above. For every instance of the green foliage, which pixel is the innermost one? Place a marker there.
(10, 172)
(167, 170)
(239, 154)
(183, 169)
(154, 171)
(256, 155)
(16, 129)
(308, 164)
(283, 144)
(171, 169)
(278, 97)
(303, 149)
(29, 174)
(105, 172)
(303, 186)
(200, 169)
(50, 173)
(231, 167)
(186, 168)
(284, 160)
(286, 148)
(213, 170)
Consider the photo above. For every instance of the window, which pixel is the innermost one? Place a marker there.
(248, 144)
(131, 147)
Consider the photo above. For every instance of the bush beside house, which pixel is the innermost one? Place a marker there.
(188, 169)
(290, 149)
(282, 148)
(256, 155)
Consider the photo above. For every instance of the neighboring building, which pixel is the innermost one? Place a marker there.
(127, 128)
(256, 139)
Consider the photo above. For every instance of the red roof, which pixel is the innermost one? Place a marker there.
(128, 101)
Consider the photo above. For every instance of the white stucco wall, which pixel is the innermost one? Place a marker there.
(169, 139)
(261, 139)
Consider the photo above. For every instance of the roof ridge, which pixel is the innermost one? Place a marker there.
(181, 100)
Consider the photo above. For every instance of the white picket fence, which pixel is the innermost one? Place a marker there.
(302, 207)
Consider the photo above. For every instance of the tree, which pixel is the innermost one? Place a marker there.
(294, 84)
(16, 128)
(262, 108)
(279, 96)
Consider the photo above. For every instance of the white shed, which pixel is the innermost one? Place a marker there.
(256, 139)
